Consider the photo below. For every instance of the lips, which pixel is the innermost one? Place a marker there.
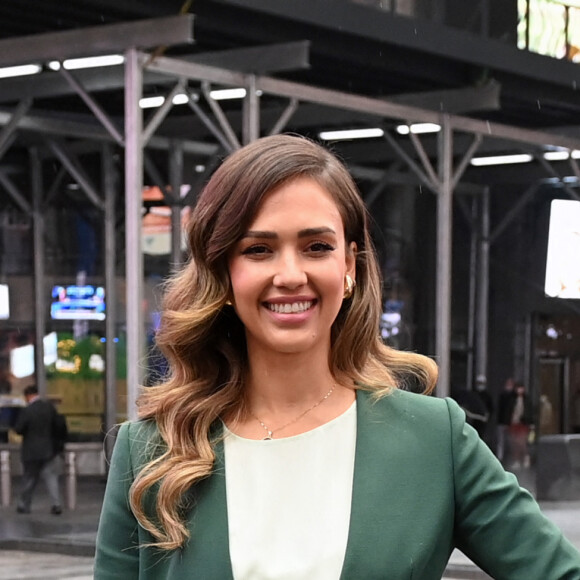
(290, 307)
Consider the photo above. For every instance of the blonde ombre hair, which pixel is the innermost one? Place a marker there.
(204, 340)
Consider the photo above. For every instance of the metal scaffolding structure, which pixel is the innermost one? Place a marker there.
(441, 176)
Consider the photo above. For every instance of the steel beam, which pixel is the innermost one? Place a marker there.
(511, 214)
(161, 113)
(176, 180)
(15, 194)
(288, 56)
(192, 71)
(251, 112)
(482, 307)
(220, 116)
(467, 156)
(96, 40)
(39, 270)
(209, 124)
(76, 171)
(284, 117)
(456, 101)
(433, 178)
(10, 127)
(91, 130)
(444, 258)
(96, 109)
(423, 177)
(380, 108)
(110, 246)
(133, 235)
(471, 308)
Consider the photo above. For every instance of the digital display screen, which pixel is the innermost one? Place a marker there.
(22, 361)
(78, 303)
(563, 259)
(4, 302)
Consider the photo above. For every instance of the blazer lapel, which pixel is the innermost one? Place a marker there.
(207, 553)
(372, 545)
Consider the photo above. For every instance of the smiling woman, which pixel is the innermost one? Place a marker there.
(284, 445)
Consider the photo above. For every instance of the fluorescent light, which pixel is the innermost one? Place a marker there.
(157, 101)
(180, 99)
(223, 94)
(556, 155)
(88, 62)
(502, 159)
(19, 71)
(576, 154)
(351, 134)
(418, 128)
(151, 102)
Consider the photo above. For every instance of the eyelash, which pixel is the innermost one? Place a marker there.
(314, 247)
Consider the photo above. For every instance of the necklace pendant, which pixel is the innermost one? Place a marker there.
(269, 436)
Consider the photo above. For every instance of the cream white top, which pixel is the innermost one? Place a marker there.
(289, 502)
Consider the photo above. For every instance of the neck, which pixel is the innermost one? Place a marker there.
(287, 380)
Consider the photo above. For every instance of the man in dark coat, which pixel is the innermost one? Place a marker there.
(39, 452)
(505, 409)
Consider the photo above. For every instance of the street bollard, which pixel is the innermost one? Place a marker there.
(71, 480)
(5, 482)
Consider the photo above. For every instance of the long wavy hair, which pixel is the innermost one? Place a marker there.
(204, 340)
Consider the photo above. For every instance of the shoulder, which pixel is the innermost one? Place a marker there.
(407, 404)
(406, 410)
(140, 439)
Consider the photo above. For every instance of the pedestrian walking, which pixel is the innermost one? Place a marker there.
(43, 433)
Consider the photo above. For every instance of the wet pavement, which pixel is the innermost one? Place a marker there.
(61, 547)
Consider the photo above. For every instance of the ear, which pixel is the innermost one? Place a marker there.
(350, 260)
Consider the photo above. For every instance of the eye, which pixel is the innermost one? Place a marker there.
(256, 250)
(320, 247)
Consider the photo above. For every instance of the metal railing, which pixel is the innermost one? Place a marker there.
(70, 478)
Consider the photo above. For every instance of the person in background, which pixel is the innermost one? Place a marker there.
(40, 450)
(472, 405)
(487, 400)
(576, 409)
(519, 429)
(504, 418)
(283, 444)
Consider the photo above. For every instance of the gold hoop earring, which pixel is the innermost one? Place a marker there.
(349, 285)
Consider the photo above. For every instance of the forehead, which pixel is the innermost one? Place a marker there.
(301, 199)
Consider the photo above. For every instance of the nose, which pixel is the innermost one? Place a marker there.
(290, 272)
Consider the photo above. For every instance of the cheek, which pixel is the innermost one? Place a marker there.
(241, 279)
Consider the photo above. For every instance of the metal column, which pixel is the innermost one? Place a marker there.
(251, 112)
(39, 278)
(473, 249)
(444, 257)
(133, 237)
(176, 180)
(482, 289)
(109, 185)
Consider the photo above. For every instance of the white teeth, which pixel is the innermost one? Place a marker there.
(290, 308)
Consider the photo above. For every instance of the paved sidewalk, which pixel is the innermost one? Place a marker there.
(42, 545)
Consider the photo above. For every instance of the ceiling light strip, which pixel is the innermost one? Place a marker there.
(347, 134)
(502, 159)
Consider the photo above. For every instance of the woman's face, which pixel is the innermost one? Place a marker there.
(288, 270)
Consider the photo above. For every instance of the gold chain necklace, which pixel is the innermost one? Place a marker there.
(270, 432)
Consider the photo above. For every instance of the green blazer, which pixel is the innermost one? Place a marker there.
(424, 483)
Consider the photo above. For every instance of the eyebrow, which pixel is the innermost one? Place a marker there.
(301, 234)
